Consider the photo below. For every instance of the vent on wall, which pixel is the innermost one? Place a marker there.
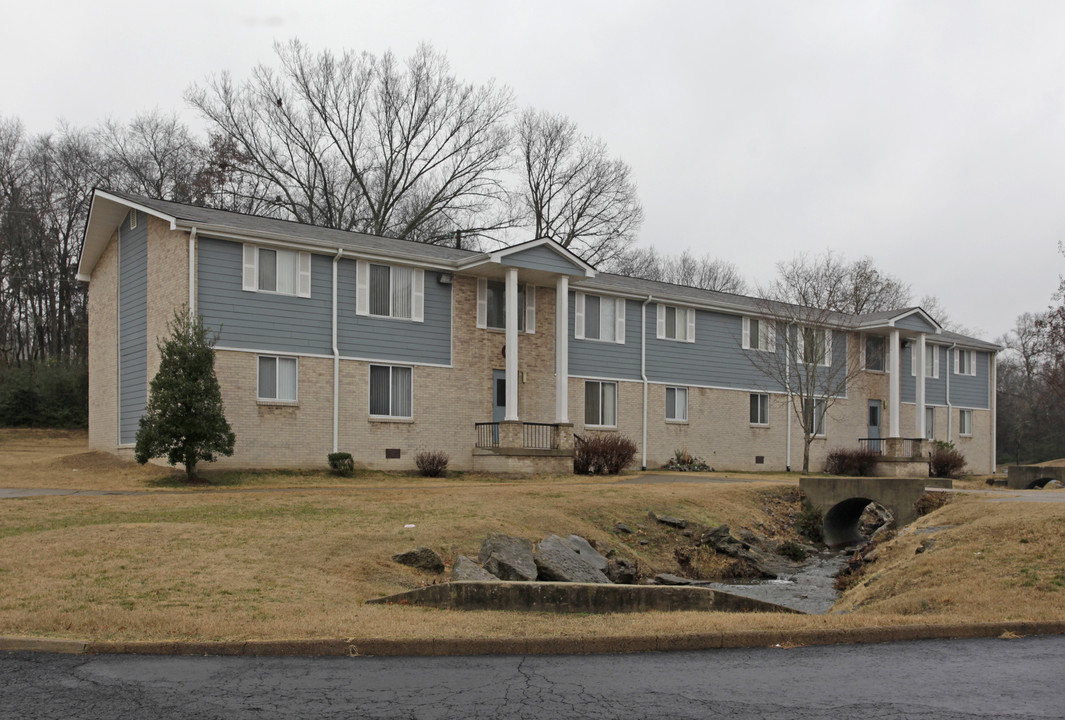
(759, 459)
(391, 453)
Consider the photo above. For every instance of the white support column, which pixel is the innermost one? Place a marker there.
(894, 394)
(562, 350)
(919, 371)
(512, 345)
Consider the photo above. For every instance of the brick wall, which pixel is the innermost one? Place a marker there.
(103, 350)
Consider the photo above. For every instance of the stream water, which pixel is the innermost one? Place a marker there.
(809, 589)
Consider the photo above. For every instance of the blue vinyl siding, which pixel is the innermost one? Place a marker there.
(542, 258)
(595, 358)
(716, 358)
(262, 321)
(379, 338)
(971, 392)
(132, 327)
(915, 322)
(935, 389)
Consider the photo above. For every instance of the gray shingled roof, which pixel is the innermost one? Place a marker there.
(255, 224)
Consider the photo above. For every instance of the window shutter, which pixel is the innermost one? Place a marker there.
(417, 311)
(690, 312)
(957, 364)
(800, 343)
(746, 342)
(771, 335)
(530, 309)
(828, 347)
(305, 275)
(935, 361)
(578, 316)
(362, 287)
(661, 330)
(250, 269)
(482, 302)
(861, 351)
(619, 320)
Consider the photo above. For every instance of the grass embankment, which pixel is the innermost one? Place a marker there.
(299, 563)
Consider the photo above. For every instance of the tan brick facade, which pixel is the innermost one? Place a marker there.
(448, 401)
(103, 351)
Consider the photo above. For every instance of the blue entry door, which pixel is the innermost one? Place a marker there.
(875, 416)
(499, 400)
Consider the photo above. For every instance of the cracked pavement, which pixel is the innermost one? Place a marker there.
(941, 679)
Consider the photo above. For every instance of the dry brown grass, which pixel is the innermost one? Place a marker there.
(300, 562)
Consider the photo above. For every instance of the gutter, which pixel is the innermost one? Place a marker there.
(336, 358)
(643, 374)
(950, 408)
(192, 274)
(787, 385)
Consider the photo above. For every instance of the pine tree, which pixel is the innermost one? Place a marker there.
(185, 420)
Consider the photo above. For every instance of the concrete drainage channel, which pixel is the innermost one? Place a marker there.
(576, 598)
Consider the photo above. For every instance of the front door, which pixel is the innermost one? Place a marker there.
(499, 401)
(874, 425)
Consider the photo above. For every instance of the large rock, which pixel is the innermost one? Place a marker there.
(669, 520)
(621, 571)
(466, 569)
(422, 558)
(508, 558)
(670, 579)
(720, 540)
(559, 561)
(589, 553)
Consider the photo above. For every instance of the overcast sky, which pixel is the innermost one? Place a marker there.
(927, 135)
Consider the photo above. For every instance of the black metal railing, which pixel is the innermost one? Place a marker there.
(487, 434)
(539, 436)
(872, 444)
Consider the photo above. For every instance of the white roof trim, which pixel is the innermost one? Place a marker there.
(499, 256)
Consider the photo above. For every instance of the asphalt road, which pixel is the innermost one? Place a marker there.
(940, 679)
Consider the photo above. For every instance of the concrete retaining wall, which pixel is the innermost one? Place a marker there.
(1019, 477)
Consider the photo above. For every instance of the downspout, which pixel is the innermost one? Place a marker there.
(950, 407)
(336, 359)
(993, 392)
(192, 274)
(787, 386)
(643, 374)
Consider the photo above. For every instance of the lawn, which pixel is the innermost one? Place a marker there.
(297, 556)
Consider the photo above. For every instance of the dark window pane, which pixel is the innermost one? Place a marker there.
(380, 377)
(497, 308)
(591, 316)
(268, 378)
(379, 293)
(267, 270)
(592, 415)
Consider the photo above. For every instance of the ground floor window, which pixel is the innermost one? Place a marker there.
(390, 391)
(677, 404)
(814, 414)
(965, 422)
(600, 403)
(759, 409)
(277, 378)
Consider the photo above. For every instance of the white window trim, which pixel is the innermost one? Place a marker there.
(883, 357)
(579, 304)
(369, 393)
(277, 376)
(482, 307)
(824, 416)
(250, 268)
(677, 389)
(771, 334)
(617, 402)
(961, 423)
(801, 345)
(935, 361)
(972, 362)
(661, 323)
(760, 396)
(362, 291)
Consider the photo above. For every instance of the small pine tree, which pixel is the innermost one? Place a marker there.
(184, 419)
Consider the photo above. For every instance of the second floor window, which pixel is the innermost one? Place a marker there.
(598, 318)
(964, 362)
(759, 334)
(676, 323)
(874, 353)
(492, 305)
(389, 291)
(275, 270)
(815, 345)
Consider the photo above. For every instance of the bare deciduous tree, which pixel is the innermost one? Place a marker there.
(154, 155)
(576, 194)
(685, 269)
(829, 281)
(362, 143)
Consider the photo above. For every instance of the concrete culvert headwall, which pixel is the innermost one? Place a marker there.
(845, 498)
